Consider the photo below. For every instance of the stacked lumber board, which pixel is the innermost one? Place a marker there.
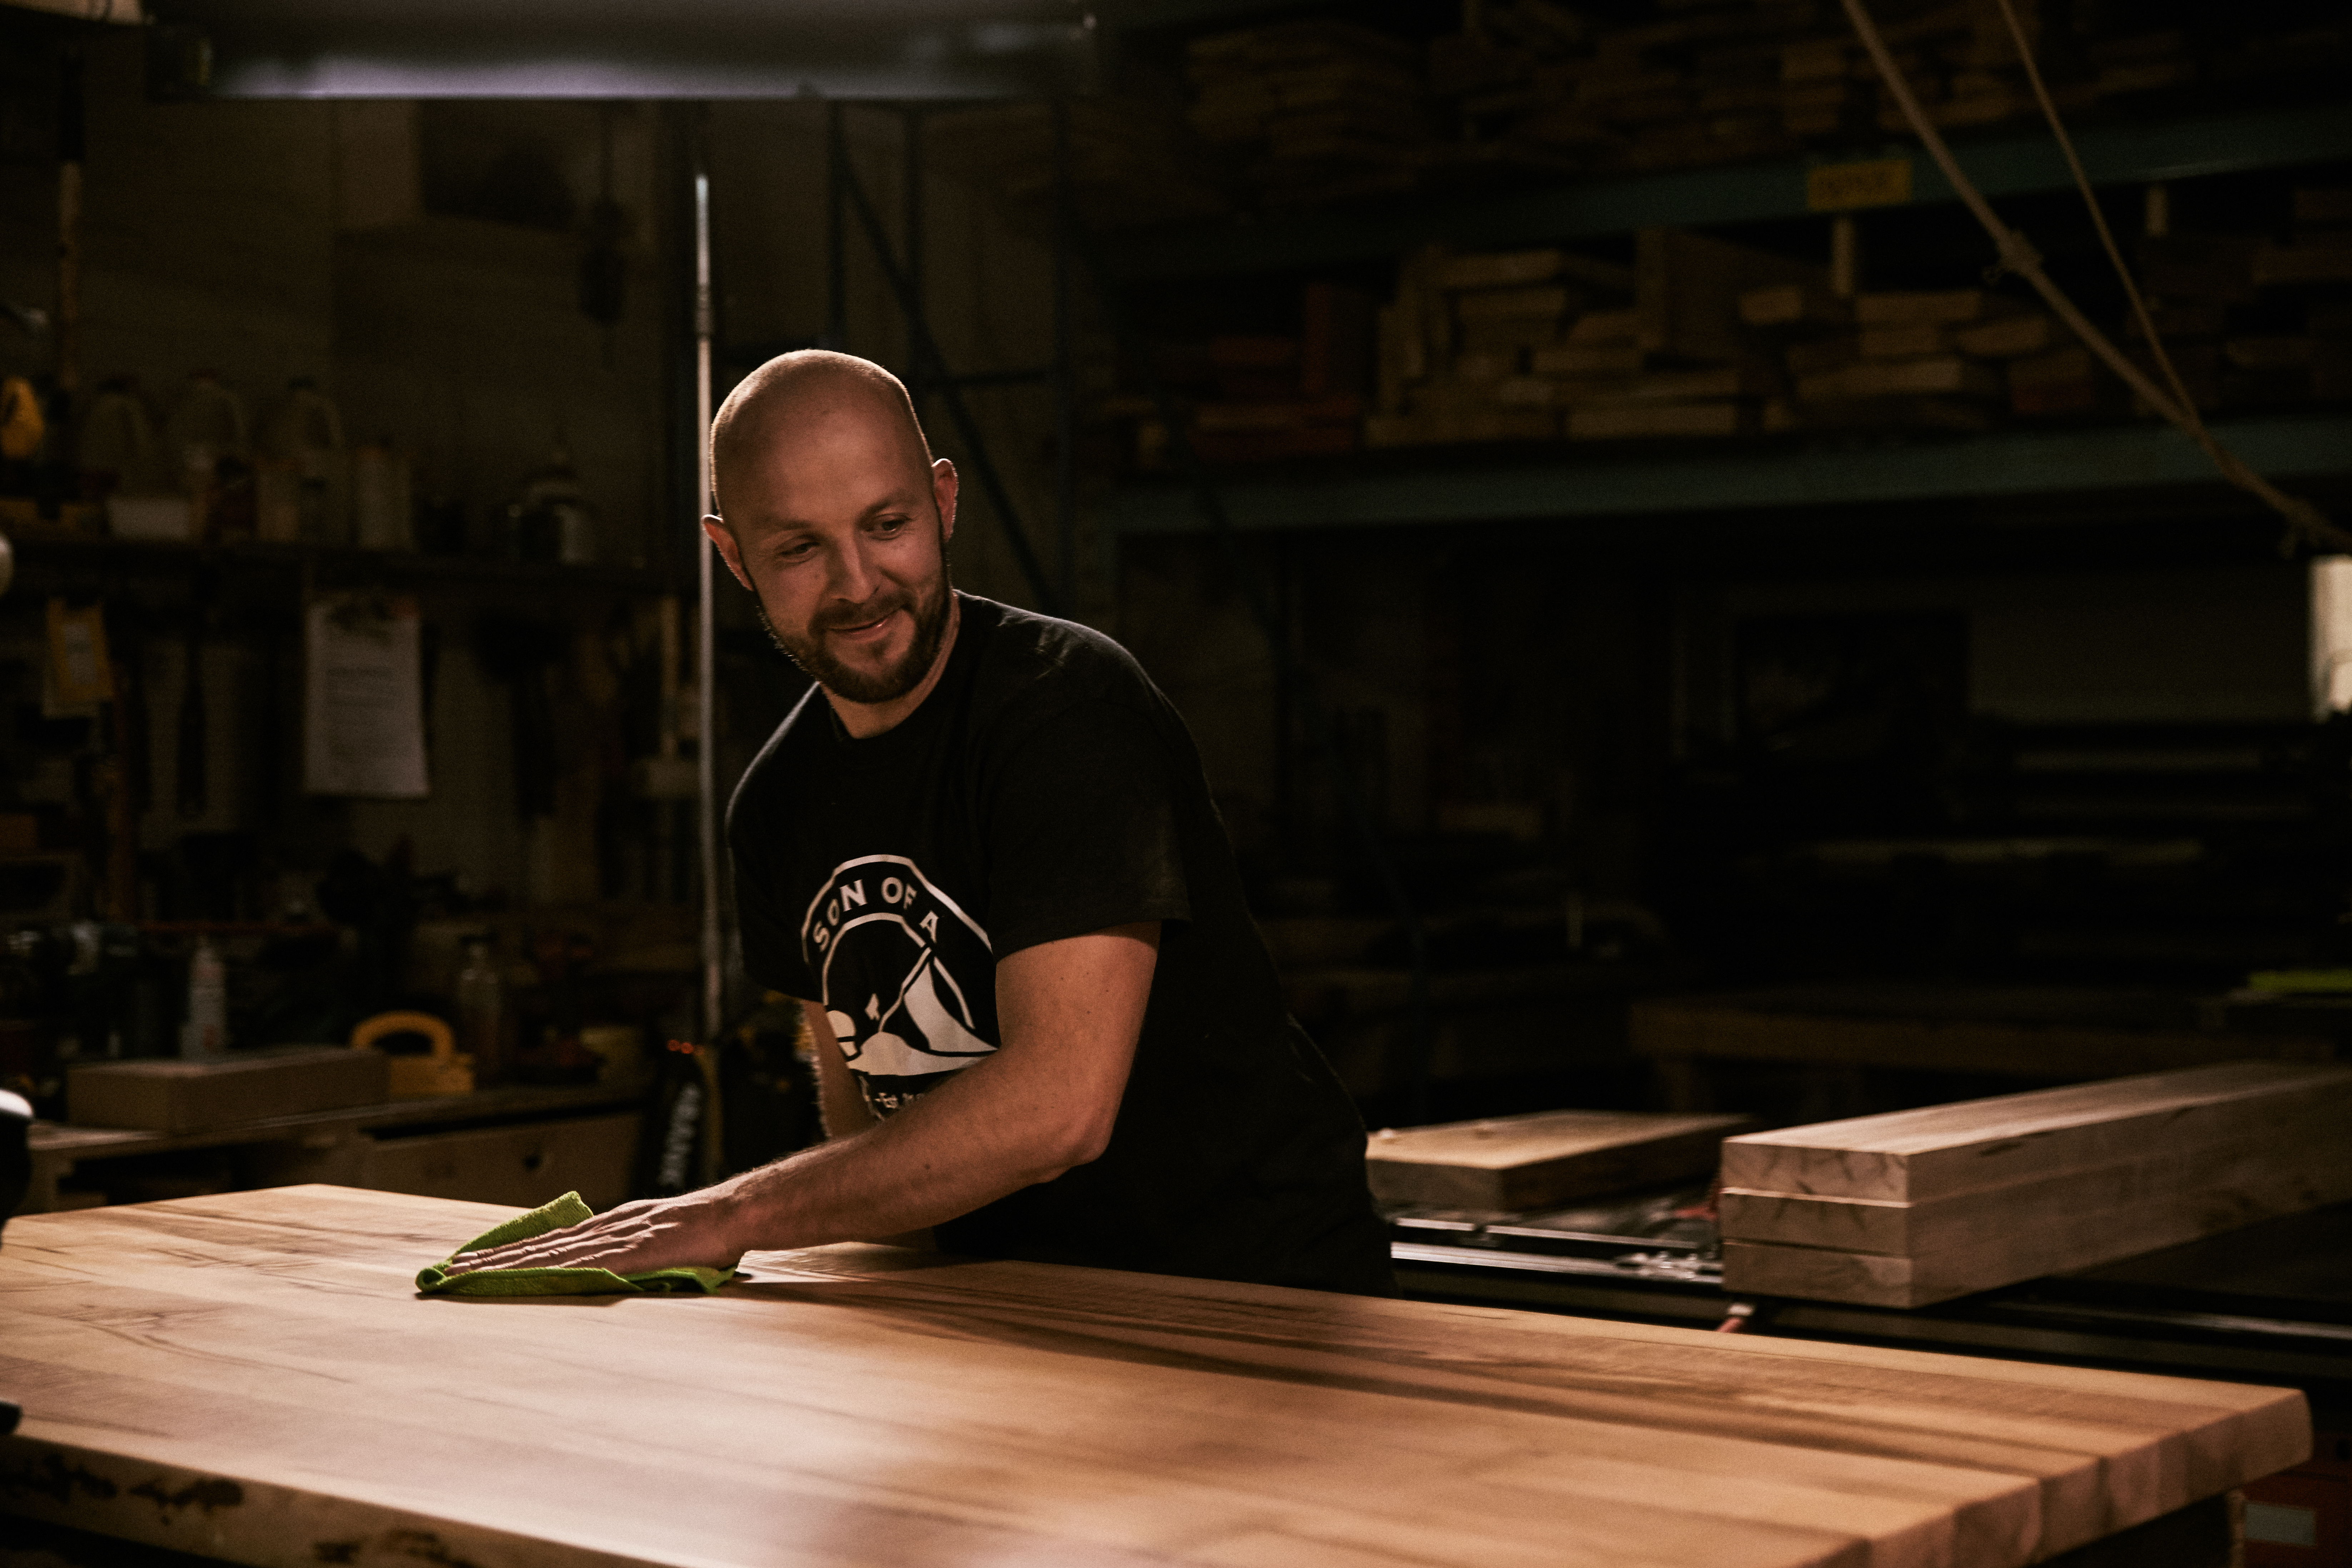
(1259, 397)
(1546, 343)
(1131, 164)
(1547, 1157)
(1703, 338)
(1919, 1206)
(1323, 108)
(1949, 359)
(1536, 85)
(2251, 323)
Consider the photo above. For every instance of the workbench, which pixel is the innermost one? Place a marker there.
(250, 1375)
(506, 1142)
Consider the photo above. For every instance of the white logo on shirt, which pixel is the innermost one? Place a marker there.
(908, 979)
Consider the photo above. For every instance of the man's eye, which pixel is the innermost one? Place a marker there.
(888, 525)
(799, 552)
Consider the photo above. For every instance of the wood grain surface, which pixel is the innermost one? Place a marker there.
(1544, 1157)
(2150, 1203)
(251, 1376)
(1911, 1156)
(2002, 1244)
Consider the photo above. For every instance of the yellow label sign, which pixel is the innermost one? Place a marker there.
(1837, 187)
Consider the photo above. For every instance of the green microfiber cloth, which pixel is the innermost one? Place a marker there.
(435, 1279)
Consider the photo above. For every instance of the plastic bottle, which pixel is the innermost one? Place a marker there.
(482, 1013)
(206, 1034)
(206, 429)
(381, 508)
(558, 521)
(305, 494)
(118, 453)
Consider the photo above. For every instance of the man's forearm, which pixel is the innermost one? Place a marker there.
(1071, 1011)
(956, 1148)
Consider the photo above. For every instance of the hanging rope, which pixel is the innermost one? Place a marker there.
(2018, 255)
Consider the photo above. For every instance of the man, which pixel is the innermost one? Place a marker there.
(982, 851)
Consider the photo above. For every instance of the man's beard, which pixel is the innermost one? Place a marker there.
(893, 680)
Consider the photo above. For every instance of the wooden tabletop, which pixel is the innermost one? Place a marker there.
(251, 1376)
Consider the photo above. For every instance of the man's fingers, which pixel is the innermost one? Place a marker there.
(590, 1243)
(630, 1239)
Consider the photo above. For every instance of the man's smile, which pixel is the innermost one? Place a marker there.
(866, 631)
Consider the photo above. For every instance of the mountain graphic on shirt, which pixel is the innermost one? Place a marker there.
(908, 978)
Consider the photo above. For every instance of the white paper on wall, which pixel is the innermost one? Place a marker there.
(363, 699)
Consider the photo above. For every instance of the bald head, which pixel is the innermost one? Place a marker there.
(833, 513)
(813, 396)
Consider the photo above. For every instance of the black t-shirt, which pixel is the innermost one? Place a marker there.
(1045, 789)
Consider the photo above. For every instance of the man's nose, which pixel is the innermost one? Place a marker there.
(852, 577)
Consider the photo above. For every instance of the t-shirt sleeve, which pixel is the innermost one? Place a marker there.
(772, 947)
(1081, 830)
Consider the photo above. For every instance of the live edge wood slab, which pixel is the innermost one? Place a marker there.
(250, 1376)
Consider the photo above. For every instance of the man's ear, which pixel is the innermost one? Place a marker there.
(715, 529)
(943, 496)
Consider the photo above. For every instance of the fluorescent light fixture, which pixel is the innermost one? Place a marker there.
(899, 49)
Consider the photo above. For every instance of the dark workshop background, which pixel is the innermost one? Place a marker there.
(1962, 703)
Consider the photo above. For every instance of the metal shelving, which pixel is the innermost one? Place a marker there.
(2019, 164)
(2010, 463)
(38, 551)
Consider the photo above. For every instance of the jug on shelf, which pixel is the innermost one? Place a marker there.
(554, 518)
(206, 438)
(383, 507)
(302, 487)
(118, 453)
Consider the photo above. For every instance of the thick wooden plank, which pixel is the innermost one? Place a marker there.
(1544, 1157)
(1911, 1156)
(250, 1376)
(2300, 1160)
(2007, 1246)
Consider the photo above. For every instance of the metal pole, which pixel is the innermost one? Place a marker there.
(706, 681)
(837, 235)
(1066, 392)
(911, 175)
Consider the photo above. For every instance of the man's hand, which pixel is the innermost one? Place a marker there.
(684, 1232)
